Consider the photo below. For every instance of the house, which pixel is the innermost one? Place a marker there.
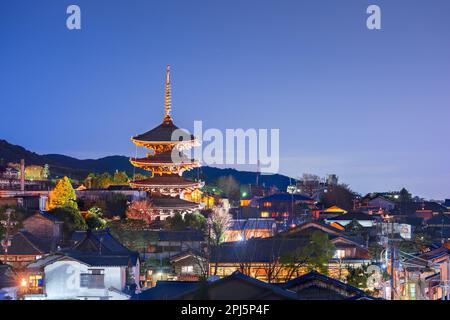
(244, 229)
(44, 225)
(426, 276)
(447, 204)
(9, 283)
(25, 248)
(166, 290)
(237, 286)
(381, 202)
(281, 205)
(316, 286)
(97, 267)
(171, 243)
(265, 258)
(366, 220)
(189, 265)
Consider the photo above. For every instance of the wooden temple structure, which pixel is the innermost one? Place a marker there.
(167, 162)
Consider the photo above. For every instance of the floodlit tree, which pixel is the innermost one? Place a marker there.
(141, 210)
(218, 222)
(63, 195)
(120, 178)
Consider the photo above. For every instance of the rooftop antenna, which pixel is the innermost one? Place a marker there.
(258, 172)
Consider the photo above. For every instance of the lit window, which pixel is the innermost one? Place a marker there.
(339, 254)
(187, 269)
(265, 214)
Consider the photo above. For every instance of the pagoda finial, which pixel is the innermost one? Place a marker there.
(167, 97)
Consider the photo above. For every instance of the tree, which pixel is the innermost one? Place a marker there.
(175, 222)
(63, 195)
(357, 277)
(71, 218)
(218, 222)
(94, 219)
(195, 221)
(116, 205)
(340, 195)
(120, 178)
(314, 255)
(354, 228)
(230, 188)
(142, 210)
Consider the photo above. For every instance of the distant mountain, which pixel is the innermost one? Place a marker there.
(61, 165)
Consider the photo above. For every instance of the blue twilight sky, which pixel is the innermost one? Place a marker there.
(370, 106)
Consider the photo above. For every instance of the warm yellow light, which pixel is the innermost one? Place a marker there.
(23, 282)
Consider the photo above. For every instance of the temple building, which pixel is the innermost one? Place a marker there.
(166, 162)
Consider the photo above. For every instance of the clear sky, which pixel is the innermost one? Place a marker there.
(370, 106)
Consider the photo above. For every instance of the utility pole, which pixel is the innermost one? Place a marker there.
(8, 224)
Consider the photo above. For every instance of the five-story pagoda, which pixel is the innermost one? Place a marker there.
(166, 162)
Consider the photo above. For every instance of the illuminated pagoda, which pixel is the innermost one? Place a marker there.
(166, 162)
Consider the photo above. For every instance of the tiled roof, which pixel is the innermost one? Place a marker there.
(164, 157)
(252, 224)
(24, 243)
(163, 132)
(439, 220)
(100, 248)
(166, 290)
(353, 216)
(284, 197)
(172, 202)
(189, 235)
(255, 250)
(269, 288)
(167, 181)
(312, 277)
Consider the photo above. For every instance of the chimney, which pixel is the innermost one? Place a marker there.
(22, 175)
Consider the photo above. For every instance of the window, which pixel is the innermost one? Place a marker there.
(94, 279)
(187, 269)
(264, 214)
(339, 254)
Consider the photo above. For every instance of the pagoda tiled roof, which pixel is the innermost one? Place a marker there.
(162, 133)
(172, 180)
(172, 202)
(163, 157)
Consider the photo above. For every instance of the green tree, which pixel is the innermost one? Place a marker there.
(63, 195)
(120, 178)
(175, 222)
(116, 205)
(230, 188)
(195, 220)
(71, 218)
(354, 228)
(357, 277)
(94, 219)
(315, 254)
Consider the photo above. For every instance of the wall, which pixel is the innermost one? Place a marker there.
(62, 280)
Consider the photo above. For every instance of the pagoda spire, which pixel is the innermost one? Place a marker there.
(167, 97)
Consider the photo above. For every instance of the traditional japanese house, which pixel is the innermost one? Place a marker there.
(97, 267)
